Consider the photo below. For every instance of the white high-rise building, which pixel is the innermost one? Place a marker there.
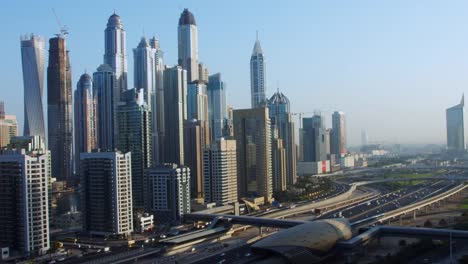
(106, 178)
(33, 59)
(115, 53)
(257, 76)
(169, 191)
(220, 172)
(24, 201)
(145, 70)
(188, 45)
(157, 107)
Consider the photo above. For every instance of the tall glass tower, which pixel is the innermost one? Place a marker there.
(257, 76)
(157, 107)
(59, 114)
(145, 69)
(107, 96)
(281, 121)
(455, 127)
(217, 108)
(188, 45)
(114, 50)
(33, 59)
(85, 125)
(338, 135)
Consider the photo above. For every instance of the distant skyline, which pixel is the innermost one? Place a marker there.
(393, 67)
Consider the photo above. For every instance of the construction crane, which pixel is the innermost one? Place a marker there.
(300, 114)
(63, 28)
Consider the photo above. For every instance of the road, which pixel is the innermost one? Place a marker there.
(392, 200)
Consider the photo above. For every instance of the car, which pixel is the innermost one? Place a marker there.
(222, 254)
(162, 236)
(248, 255)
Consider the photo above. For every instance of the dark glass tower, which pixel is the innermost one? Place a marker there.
(59, 114)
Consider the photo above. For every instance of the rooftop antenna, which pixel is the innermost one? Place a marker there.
(63, 28)
(256, 35)
(277, 85)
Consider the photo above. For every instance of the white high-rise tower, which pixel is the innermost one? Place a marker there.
(114, 50)
(33, 59)
(145, 70)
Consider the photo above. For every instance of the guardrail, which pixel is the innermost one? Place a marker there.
(307, 207)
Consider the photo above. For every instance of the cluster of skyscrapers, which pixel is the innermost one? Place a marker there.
(169, 142)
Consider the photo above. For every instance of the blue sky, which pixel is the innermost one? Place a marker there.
(391, 66)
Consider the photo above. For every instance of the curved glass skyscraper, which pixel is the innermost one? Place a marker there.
(33, 59)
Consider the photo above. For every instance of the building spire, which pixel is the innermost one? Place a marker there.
(462, 103)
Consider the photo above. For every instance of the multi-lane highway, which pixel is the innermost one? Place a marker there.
(390, 201)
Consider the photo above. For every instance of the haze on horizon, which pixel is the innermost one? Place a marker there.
(393, 67)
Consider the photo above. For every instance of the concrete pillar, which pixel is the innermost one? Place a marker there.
(260, 232)
(414, 215)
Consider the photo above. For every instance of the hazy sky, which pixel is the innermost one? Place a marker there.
(392, 66)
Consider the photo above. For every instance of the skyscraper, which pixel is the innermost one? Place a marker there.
(328, 134)
(257, 76)
(85, 125)
(33, 59)
(59, 113)
(220, 172)
(364, 138)
(135, 136)
(107, 97)
(157, 107)
(115, 54)
(24, 202)
(338, 135)
(187, 36)
(281, 119)
(145, 70)
(107, 193)
(217, 108)
(196, 139)
(253, 138)
(314, 138)
(169, 191)
(197, 102)
(455, 127)
(8, 126)
(175, 112)
(278, 162)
